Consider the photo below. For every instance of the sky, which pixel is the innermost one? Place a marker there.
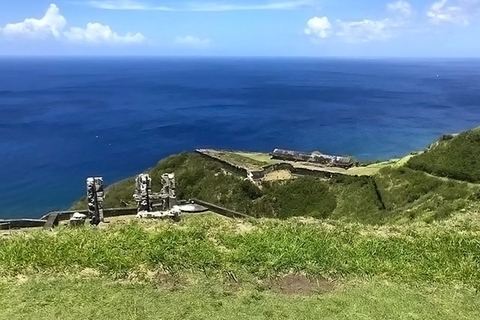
(311, 28)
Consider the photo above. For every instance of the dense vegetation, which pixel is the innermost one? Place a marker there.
(196, 178)
(393, 195)
(357, 200)
(455, 157)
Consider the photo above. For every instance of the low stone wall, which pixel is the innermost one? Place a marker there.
(278, 167)
(220, 210)
(107, 213)
(315, 173)
(225, 164)
(21, 223)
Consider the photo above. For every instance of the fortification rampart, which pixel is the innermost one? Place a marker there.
(259, 174)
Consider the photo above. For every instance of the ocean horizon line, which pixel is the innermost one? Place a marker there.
(246, 57)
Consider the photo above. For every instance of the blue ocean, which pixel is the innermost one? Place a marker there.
(64, 119)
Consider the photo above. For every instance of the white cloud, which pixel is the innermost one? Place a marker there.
(201, 6)
(319, 27)
(461, 13)
(365, 30)
(53, 24)
(98, 33)
(352, 31)
(50, 25)
(193, 41)
(402, 7)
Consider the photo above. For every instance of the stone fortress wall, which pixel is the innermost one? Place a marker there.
(257, 175)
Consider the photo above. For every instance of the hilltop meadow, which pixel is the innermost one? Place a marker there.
(403, 243)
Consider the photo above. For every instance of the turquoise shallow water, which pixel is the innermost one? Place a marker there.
(62, 120)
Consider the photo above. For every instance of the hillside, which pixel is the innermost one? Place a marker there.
(395, 194)
(456, 157)
(398, 242)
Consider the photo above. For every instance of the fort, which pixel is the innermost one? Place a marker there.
(314, 157)
(285, 165)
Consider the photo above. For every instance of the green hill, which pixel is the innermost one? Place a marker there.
(456, 157)
(394, 195)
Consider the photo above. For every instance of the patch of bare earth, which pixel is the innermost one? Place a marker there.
(278, 175)
(89, 273)
(21, 279)
(298, 284)
(170, 282)
(244, 227)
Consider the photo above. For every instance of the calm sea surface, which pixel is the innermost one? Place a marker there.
(62, 120)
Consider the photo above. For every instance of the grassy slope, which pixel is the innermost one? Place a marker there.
(196, 178)
(453, 157)
(407, 272)
(72, 298)
(267, 247)
(411, 195)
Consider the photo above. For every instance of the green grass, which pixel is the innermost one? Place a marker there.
(211, 245)
(456, 157)
(208, 267)
(301, 197)
(414, 196)
(240, 160)
(258, 156)
(95, 298)
(357, 200)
